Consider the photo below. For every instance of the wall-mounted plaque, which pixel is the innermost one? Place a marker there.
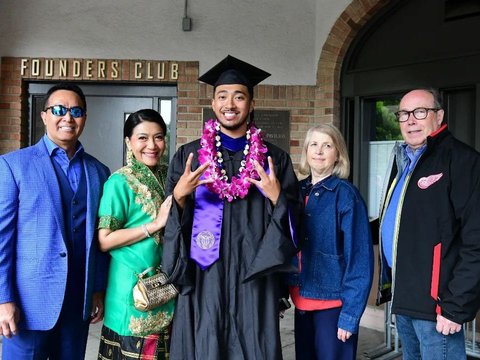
(275, 124)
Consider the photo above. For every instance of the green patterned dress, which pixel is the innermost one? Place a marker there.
(132, 196)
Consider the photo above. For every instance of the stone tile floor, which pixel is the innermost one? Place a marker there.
(369, 339)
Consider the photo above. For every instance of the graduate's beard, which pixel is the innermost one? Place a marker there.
(234, 126)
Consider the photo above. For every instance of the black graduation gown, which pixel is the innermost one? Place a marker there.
(231, 310)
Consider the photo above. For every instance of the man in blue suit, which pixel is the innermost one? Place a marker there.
(52, 274)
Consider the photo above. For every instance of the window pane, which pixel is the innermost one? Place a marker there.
(386, 125)
(166, 112)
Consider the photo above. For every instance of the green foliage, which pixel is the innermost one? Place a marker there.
(386, 125)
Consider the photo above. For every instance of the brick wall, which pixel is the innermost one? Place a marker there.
(13, 107)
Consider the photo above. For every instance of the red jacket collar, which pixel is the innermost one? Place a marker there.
(438, 131)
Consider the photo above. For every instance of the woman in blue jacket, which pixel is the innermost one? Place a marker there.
(335, 265)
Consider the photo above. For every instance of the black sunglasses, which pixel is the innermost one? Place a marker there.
(60, 110)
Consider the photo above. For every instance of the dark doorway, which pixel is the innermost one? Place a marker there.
(108, 107)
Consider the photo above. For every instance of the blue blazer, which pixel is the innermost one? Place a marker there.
(33, 265)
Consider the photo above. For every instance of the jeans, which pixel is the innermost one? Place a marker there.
(420, 340)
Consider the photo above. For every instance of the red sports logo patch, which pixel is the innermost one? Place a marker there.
(425, 182)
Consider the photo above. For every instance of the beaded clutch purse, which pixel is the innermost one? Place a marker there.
(153, 291)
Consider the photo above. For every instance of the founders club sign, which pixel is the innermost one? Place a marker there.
(98, 69)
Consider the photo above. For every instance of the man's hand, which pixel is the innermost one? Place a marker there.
(343, 335)
(447, 327)
(268, 183)
(189, 181)
(9, 317)
(96, 314)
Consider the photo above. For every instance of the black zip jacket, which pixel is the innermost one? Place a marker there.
(437, 260)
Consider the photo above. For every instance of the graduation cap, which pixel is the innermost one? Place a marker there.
(234, 71)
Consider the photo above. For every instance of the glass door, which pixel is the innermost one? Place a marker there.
(371, 131)
(384, 133)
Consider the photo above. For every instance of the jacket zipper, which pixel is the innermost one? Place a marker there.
(384, 209)
(396, 231)
(397, 224)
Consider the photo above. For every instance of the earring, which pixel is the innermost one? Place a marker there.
(129, 156)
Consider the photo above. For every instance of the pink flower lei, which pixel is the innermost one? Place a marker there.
(210, 151)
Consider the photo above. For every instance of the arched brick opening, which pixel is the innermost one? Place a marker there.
(327, 97)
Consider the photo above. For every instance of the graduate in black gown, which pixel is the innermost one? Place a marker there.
(231, 233)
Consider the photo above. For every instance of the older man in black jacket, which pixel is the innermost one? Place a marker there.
(430, 233)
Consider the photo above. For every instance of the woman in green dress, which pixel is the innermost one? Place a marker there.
(133, 212)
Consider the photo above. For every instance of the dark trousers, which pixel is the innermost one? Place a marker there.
(316, 336)
(67, 340)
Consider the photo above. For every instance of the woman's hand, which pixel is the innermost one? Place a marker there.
(161, 220)
(343, 335)
(189, 181)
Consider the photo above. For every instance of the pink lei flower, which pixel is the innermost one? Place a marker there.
(210, 151)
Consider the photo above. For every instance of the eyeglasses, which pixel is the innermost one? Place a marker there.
(418, 113)
(60, 110)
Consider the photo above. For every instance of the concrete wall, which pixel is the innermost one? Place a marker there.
(285, 37)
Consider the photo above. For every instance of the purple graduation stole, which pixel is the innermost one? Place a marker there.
(207, 227)
(208, 216)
